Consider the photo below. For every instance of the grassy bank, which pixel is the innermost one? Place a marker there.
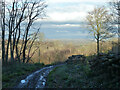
(12, 74)
(80, 75)
(75, 75)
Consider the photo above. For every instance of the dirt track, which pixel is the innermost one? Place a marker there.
(37, 79)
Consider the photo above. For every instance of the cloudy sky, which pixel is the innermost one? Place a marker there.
(66, 18)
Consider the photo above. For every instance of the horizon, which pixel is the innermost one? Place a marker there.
(66, 19)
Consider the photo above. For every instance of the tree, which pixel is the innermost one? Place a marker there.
(2, 12)
(116, 18)
(20, 18)
(99, 24)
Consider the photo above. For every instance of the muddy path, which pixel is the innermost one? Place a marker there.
(37, 79)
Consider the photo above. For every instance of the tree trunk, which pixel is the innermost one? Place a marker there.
(11, 51)
(39, 55)
(7, 51)
(119, 28)
(24, 54)
(3, 32)
(26, 39)
(24, 49)
(3, 45)
(98, 47)
(18, 56)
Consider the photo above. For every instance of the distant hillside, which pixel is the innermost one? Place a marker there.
(74, 41)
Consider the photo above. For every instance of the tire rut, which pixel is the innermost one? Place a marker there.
(36, 79)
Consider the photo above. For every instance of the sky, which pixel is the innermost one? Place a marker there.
(65, 19)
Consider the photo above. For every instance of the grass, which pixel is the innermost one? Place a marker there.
(12, 74)
(52, 52)
(74, 75)
(79, 75)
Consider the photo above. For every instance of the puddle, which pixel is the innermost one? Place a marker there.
(36, 79)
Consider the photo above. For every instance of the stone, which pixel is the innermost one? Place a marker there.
(109, 60)
(76, 58)
(43, 83)
(104, 59)
(22, 81)
(111, 56)
(101, 54)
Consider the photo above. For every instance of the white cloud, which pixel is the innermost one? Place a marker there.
(67, 25)
(59, 16)
(71, 12)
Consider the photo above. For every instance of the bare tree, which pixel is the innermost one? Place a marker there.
(20, 14)
(3, 30)
(35, 10)
(99, 24)
(116, 17)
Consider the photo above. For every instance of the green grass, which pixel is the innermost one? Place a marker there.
(75, 75)
(12, 74)
(80, 75)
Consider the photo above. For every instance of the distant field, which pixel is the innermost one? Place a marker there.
(52, 51)
(59, 50)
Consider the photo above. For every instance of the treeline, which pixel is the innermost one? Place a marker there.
(54, 51)
(17, 29)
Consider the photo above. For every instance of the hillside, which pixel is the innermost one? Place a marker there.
(102, 72)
